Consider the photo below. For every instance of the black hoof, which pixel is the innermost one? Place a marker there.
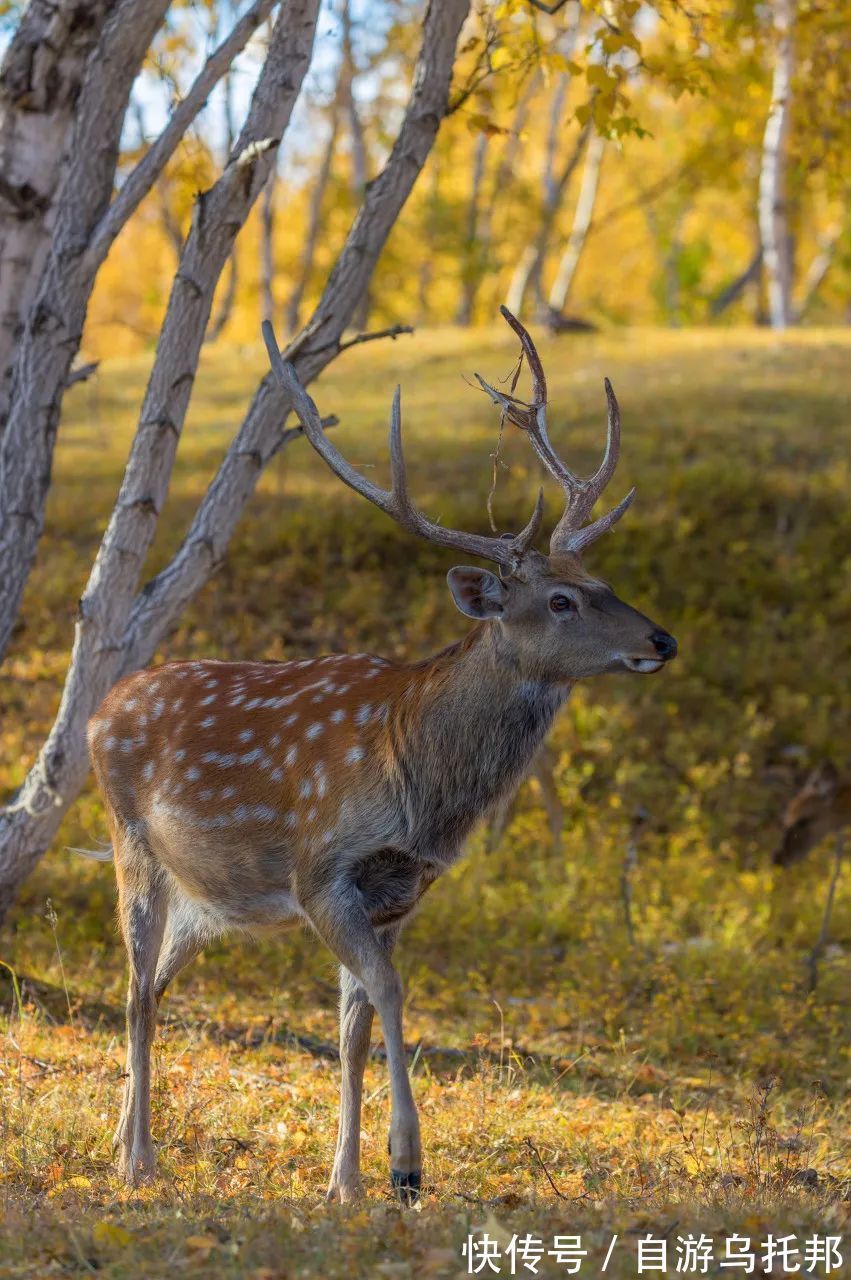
(407, 1185)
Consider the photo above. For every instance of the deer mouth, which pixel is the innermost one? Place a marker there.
(645, 666)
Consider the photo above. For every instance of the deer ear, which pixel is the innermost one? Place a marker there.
(477, 592)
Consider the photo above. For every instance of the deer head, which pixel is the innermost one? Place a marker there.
(822, 806)
(558, 623)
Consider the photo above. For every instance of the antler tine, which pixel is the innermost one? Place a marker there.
(395, 501)
(571, 533)
(606, 469)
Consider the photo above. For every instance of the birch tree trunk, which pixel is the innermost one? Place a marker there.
(587, 198)
(85, 228)
(773, 201)
(39, 83)
(118, 628)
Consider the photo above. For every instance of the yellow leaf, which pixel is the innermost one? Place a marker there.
(500, 58)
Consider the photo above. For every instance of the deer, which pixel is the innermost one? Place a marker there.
(821, 807)
(333, 791)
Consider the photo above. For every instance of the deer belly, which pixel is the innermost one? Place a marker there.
(391, 883)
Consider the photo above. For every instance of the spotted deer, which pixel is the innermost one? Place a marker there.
(820, 808)
(333, 791)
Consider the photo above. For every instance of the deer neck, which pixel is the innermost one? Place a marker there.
(478, 721)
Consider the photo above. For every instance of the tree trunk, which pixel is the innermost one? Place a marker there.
(532, 259)
(116, 631)
(732, 291)
(267, 249)
(39, 83)
(471, 261)
(560, 291)
(314, 222)
(773, 201)
(85, 227)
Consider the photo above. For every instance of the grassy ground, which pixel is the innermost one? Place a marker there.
(570, 1081)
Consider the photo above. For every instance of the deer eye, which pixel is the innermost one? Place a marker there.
(562, 604)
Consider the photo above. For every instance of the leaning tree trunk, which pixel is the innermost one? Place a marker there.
(773, 201)
(39, 83)
(119, 628)
(587, 198)
(85, 228)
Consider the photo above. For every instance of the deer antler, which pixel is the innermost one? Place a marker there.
(571, 533)
(505, 551)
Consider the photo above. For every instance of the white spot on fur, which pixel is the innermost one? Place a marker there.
(227, 792)
(354, 754)
(179, 754)
(148, 771)
(311, 815)
(363, 713)
(314, 730)
(245, 735)
(275, 740)
(131, 704)
(193, 774)
(290, 757)
(306, 789)
(158, 708)
(339, 715)
(276, 775)
(205, 702)
(208, 722)
(109, 742)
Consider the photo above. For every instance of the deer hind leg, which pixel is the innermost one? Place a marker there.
(142, 906)
(356, 1015)
(338, 916)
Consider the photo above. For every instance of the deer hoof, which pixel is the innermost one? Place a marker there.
(407, 1185)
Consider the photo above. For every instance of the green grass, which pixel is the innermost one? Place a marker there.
(640, 1073)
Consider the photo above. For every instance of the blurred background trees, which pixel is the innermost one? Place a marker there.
(614, 163)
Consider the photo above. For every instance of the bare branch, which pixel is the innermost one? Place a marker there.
(137, 185)
(393, 332)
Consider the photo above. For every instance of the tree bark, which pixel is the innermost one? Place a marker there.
(267, 249)
(85, 228)
(773, 200)
(117, 630)
(39, 83)
(587, 198)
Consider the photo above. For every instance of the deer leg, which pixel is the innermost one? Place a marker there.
(142, 911)
(343, 925)
(356, 1014)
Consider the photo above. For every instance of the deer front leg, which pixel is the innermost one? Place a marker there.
(356, 1014)
(340, 920)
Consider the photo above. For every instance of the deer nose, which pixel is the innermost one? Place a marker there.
(664, 644)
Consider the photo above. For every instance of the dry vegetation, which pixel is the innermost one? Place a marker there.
(686, 1082)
